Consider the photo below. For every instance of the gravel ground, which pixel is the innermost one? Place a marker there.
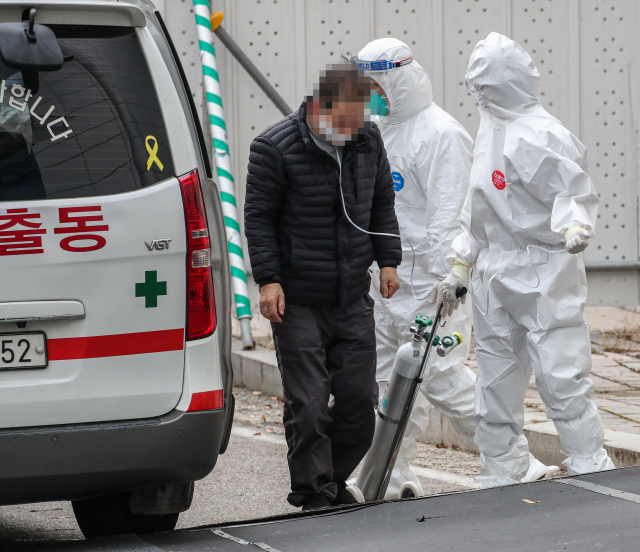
(448, 459)
(251, 480)
(257, 409)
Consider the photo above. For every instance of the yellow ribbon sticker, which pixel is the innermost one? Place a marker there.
(153, 157)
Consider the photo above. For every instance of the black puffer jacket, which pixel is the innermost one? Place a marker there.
(294, 220)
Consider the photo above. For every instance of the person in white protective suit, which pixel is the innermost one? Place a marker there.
(430, 157)
(530, 210)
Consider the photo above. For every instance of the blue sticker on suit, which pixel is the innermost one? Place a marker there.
(398, 181)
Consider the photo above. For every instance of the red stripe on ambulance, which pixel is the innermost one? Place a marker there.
(115, 345)
(207, 400)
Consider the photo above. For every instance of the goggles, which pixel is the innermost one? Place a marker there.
(383, 65)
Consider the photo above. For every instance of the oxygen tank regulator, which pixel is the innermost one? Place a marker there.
(444, 345)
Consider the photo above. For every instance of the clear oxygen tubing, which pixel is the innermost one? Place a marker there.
(413, 260)
(529, 247)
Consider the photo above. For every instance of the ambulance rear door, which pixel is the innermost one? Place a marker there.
(92, 233)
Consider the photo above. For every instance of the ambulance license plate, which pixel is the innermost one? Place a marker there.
(23, 351)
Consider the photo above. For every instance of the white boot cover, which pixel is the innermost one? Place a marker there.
(537, 470)
(582, 438)
(506, 469)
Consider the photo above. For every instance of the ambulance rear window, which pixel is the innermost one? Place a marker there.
(92, 128)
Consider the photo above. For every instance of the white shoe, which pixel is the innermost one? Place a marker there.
(537, 470)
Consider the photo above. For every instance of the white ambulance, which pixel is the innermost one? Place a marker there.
(115, 368)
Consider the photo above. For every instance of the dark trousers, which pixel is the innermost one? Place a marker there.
(326, 351)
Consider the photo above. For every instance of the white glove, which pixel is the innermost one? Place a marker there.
(458, 278)
(577, 239)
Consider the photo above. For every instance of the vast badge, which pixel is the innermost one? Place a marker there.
(498, 180)
(398, 181)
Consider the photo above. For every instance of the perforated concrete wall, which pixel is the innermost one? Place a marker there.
(586, 51)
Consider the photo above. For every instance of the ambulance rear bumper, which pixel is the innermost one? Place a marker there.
(78, 461)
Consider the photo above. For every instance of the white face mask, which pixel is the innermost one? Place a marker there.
(481, 101)
(332, 136)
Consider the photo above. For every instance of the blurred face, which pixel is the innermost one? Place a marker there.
(337, 111)
(346, 116)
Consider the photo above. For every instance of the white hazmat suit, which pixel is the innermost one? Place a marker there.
(430, 157)
(529, 193)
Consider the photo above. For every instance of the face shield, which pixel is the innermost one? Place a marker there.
(378, 104)
(382, 65)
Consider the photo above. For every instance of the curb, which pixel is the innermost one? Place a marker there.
(258, 371)
(544, 444)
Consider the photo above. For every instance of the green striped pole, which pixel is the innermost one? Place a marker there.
(223, 165)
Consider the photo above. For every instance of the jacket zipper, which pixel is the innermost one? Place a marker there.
(338, 172)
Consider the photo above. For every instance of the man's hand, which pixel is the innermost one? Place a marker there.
(388, 281)
(272, 302)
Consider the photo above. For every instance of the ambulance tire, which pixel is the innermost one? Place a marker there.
(108, 515)
(154, 523)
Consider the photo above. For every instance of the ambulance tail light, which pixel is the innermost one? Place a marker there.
(201, 308)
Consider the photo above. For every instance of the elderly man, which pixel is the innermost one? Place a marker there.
(319, 210)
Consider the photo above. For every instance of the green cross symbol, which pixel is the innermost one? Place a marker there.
(151, 289)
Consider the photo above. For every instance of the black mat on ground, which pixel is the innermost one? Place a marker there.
(627, 480)
(547, 516)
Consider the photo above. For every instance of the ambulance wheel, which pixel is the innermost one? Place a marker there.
(356, 493)
(107, 515)
(410, 489)
(159, 523)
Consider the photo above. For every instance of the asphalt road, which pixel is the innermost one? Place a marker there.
(250, 481)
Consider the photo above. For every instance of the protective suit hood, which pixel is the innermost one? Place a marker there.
(408, 88)
(504, 75)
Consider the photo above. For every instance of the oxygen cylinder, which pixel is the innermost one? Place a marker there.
(396, 400)
(397, 403)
